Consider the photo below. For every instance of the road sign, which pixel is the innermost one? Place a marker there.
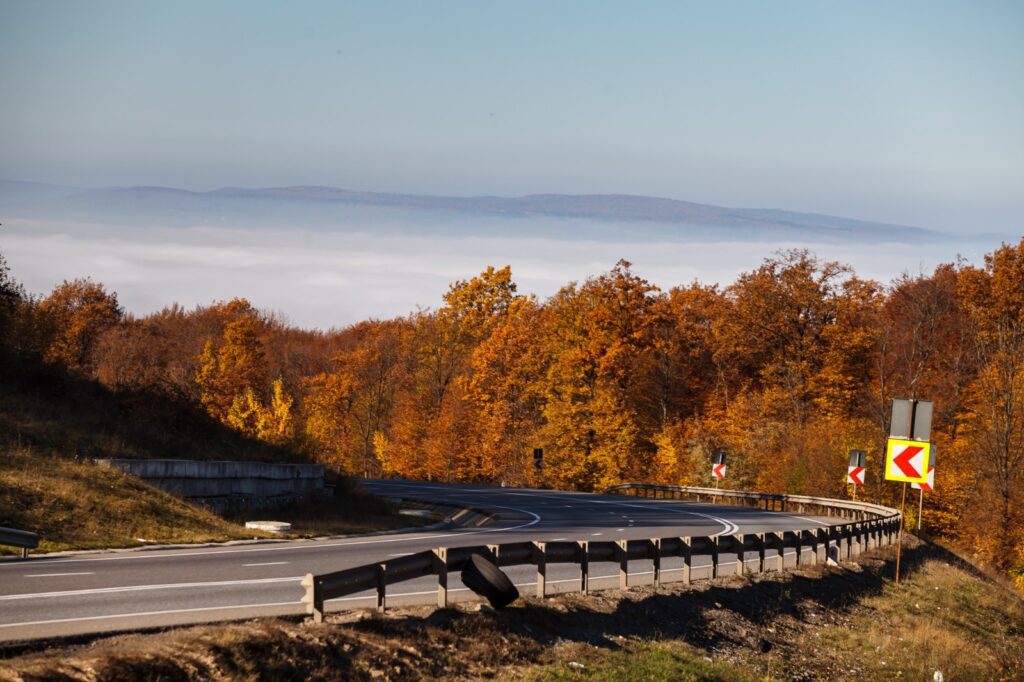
(718, 467)
(911, 419)
(929, 484)
(907, 460)
(538, 458)
(855, 472)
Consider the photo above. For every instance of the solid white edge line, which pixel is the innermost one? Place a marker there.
(310, 545)
(146, 613)
(141, 588)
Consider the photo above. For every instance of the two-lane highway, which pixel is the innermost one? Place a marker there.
(97, 592)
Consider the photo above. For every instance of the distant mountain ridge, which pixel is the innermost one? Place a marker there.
(342, 208)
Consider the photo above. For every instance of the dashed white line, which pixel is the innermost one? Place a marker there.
(268, 563)
(54, 575)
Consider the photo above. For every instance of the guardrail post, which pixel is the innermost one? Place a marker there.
(656, 558)
(714, 556)
(313, 599)
(740, 555)
(780, 557)
(441, 566)
(760, 552)
(686, 547)
(382, 587)
(583, 547)
(540, 557)
(24, 552)
(622, 549)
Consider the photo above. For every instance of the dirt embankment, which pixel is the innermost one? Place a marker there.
(848, 622)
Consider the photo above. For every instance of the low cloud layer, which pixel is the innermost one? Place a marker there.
(328, 280)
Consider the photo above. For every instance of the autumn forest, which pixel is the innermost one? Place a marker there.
(786, 369)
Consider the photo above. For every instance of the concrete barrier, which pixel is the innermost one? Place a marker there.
(227, 485)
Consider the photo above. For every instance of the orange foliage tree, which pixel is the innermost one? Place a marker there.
(787, 369)
(76, 314)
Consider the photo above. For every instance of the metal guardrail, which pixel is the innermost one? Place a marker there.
(769, 501)
(870, 525)
(19, 538)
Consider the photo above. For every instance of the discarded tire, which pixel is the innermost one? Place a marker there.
(489, 581)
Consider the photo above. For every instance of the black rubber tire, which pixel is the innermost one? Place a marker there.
(489, 581)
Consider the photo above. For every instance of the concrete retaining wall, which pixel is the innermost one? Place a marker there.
(227, 486)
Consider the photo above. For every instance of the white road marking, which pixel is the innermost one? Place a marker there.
(268, 563)
(140, 588)
(730, 527)
(803, 518)
(54, 575)
(311, 545)
(558, 539)
(619, 530)
(402, 554)
(594, 535)
(147, 613)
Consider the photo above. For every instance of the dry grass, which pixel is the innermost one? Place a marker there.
(848, 623)
(52, 425)
(940, 619)
(78, 505)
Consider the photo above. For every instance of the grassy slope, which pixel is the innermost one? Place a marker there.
(53, 425)
(833, 624)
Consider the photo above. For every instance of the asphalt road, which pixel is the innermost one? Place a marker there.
(69, 594)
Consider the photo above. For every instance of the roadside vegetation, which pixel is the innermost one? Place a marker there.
(842, 623)
(55, 421)
(787, 368)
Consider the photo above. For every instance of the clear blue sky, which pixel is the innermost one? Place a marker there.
(899, 111)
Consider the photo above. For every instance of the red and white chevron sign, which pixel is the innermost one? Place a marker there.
(907, 460)
(718, 470)
(928, 485)
(855, 475)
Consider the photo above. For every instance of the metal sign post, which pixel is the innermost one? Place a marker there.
(920, 506)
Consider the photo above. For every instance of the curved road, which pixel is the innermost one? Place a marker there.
(81, 593)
